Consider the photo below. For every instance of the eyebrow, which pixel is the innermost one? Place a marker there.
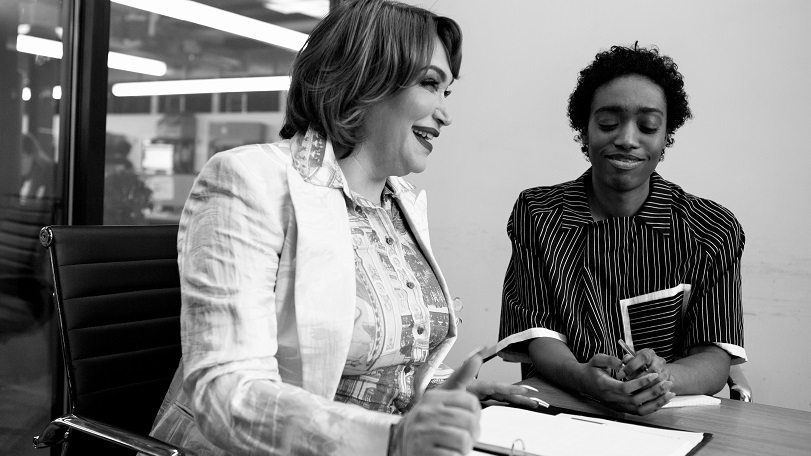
(441, 72)
(616, 109)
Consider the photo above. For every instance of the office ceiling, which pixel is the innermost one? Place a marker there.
(193, 51)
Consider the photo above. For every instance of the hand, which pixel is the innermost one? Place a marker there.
(643, 394)
(503, 392)
(445, 421)
(645, 361)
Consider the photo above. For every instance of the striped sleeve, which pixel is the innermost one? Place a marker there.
(527, 311)
(715, 314)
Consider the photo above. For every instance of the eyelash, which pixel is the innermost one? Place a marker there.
(435, 85)
(646, 130)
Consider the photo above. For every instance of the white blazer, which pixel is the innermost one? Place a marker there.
(268, 285)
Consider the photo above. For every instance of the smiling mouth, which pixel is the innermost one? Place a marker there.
(624, 162)
(424, 135)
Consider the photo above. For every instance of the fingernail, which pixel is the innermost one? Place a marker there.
(530, 388)
(539, 401)
(652, 376)
(670, 395)
(667, 385)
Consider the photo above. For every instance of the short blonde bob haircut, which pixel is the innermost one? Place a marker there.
(362, 52)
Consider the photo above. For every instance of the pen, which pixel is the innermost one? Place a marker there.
(626, 348)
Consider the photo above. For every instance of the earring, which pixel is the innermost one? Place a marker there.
(662, 157)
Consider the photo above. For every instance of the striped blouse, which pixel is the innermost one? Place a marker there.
(667, 278)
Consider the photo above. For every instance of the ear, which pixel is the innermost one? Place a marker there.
(583, 137)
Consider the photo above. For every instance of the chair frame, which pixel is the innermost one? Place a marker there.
(59, 429)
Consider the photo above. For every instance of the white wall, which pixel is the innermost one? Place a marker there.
(747, 67)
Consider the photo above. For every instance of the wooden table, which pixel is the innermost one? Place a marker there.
(738, 428)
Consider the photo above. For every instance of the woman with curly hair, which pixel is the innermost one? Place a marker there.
(622, 286)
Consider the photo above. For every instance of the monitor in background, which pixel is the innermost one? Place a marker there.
(158, 158)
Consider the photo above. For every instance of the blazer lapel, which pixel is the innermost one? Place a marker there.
(416, 213)
(325, 283)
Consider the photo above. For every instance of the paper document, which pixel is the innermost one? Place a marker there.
(503, 428)
(692, 400)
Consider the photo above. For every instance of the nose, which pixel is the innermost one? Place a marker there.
(627, 136)
(441, 113)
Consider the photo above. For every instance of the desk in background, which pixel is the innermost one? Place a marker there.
(738, 428)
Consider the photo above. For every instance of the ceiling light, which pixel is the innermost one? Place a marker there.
(188, 86)
(39, 46)
(136, 64)
(226, 21)
(312, 8)
(50, 48)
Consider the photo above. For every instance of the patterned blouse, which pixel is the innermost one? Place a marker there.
(400, 313)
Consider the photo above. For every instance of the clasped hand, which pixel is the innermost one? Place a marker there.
(446, 419)
(642, 385)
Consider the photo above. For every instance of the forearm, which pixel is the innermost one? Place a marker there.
(244, 413)
(703, 371)
(556, 363)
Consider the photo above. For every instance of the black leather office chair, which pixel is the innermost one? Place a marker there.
(117, 293)
(24, 278)
(739, 388)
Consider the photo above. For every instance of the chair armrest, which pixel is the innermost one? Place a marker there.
(56, 431)
(739, 388)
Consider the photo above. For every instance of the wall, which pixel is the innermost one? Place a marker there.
(746, 64)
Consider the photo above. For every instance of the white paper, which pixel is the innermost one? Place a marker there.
(574, 435)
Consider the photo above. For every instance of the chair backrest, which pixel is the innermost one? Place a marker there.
(117, 292)
(24, 279)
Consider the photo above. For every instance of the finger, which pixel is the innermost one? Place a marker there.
(654, 405)
(645, 381)
(453, 398)
(604, 361)
(457, 441)
(517, 399)
(652, 393)
(634, 367)
(462, 377)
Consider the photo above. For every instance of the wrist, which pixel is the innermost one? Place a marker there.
(576, 379)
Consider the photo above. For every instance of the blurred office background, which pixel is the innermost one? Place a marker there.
(84, 143)
(112, 107)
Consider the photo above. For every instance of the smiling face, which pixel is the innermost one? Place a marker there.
(626, 134)
(399, 129)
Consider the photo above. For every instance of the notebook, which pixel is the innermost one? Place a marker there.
(508, 430)
(692, 400)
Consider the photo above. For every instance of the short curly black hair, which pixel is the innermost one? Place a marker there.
(622, 61)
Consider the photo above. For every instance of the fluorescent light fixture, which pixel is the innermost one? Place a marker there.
(136, 64)
(56, 93)
(39, 46)
(50, 48)
(225, 21)
(26, 93)
(187, 86)
(312, 8)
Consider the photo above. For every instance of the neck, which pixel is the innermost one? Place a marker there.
(361, 178)
(608, 203)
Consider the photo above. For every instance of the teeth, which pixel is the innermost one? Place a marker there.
(424, 135)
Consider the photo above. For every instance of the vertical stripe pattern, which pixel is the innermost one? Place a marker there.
(568, 273)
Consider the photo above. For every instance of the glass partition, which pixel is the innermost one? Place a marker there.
(31, 172)
(192, 79)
